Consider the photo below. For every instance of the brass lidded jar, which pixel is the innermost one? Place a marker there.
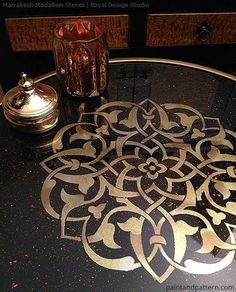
(31, 107)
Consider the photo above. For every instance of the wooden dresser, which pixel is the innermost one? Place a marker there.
(202, 32)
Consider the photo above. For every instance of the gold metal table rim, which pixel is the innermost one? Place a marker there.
(153, 60)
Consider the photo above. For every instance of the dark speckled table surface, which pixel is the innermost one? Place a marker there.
(132, 191)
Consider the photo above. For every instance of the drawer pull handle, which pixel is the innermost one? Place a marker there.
(203, 31)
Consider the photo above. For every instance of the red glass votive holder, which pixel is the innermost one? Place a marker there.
(81, 57)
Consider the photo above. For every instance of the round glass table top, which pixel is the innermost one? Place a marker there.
(132, 191)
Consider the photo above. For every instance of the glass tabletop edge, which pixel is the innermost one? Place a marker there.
(153, 60)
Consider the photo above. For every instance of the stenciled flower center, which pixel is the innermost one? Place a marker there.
(152, 168)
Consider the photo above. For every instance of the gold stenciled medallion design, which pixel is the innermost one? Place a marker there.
(142, 184)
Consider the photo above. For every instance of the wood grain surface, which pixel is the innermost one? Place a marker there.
(180, 29)
(36, 33)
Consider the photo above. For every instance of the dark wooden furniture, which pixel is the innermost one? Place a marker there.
(198, 31)
(190, 29)
(163, 30)
(36, 33)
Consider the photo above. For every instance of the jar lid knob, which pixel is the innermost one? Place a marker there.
(25, 83)
(23, 75)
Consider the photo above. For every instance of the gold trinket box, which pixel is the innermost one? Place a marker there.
(31, 107)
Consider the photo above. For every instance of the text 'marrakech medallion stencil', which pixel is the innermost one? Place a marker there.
(139, 185)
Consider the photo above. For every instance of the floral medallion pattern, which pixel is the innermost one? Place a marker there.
(137, 184)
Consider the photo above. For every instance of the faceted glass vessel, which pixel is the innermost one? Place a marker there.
(81, 57)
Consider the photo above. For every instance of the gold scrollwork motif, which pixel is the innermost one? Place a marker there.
(142, 183)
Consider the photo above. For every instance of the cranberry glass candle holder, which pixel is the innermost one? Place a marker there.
(81, 57)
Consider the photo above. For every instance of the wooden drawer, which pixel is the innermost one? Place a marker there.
(191, 29)
(35, 33)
